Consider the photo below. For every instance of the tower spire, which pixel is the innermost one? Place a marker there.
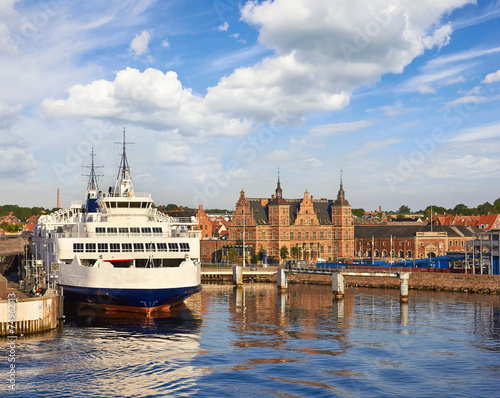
(279, 192)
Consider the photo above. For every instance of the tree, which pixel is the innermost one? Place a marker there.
(462, 209)
(233, 255)
(260, 254)
(296, 252)
(358, 212)
(171, 206)
(486, 208)
(434, 209)
(284, 252)
(404, 210)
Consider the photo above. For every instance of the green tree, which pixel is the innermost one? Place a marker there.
(404, 210)
(434, 209)
(260, 254)
(296, 252)
(284, 252)
(358, 212)
(233, 255)
(486, 208)
(462, 209)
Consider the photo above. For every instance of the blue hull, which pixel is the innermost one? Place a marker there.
(134, 300)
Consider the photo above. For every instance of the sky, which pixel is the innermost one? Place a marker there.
(401, 98)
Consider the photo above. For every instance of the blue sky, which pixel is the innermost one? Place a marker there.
(401, 95)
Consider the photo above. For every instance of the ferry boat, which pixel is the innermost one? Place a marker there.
(116, 251)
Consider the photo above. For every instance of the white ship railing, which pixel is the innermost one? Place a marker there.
(94, 235)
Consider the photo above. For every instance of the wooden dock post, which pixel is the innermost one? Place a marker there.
(237, 275)
(403, 286)
(338, 285)
(282, 279)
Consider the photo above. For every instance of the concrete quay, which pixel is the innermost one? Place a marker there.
(487, 284)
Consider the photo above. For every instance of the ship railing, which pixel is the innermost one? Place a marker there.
(184, 234)
(184, 221)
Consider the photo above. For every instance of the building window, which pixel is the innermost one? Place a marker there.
(314, 235)
(77, 247)
(102, 247)
(329, 235)
(322, 235)
(90, 247)
(138, 247)
(162, 247)
(114, 247)
(307, 235)
(112, 231)
(146, 231)
(274, 235)
(135, 231)
(250, 235)
(157, 230)
(100, 230)
(184, 247)
(123, 231)
(291, 235)
(329, 249)
(150, 247)
(284, 235)
(263, 235)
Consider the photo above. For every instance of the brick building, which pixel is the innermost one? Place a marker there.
(413, 241)
(308, 228)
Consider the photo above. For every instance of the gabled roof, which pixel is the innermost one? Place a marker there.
(410, 231)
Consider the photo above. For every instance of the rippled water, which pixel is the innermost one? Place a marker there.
(256, 341)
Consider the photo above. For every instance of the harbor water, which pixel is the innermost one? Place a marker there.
(256, 341)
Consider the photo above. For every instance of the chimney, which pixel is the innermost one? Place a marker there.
(380, 209)
(181, 208)
(312, 198)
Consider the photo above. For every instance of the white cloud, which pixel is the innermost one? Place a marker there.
(140, 43)
(425, 89)
(171, 154)
(8, 114)
(391, 110)
(468, 99)
(165, 43)
(459, 79)
(324, 50)
(466, 166)
(373, 146)
(492, 77)
(223, 28)
(338, 128)
(152, 98)
(14, 162)
(479, 133)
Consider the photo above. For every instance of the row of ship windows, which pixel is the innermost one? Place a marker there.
(126, 230)
(127, 247)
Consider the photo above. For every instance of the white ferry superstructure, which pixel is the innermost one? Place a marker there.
(117, 251)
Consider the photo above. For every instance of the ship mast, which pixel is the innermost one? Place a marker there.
(124, 185)
(92, 185)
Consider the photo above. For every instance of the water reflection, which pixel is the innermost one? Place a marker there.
(255, 340)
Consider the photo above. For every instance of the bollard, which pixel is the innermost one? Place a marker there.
(403, 286)
(282, 279)
(237, 275)
(338, 285)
